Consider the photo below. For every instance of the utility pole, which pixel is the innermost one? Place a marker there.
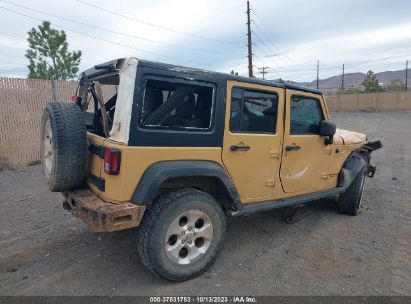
(250, 50)
(318, 71)
(406, 75)
(342, 80)
(264, 70)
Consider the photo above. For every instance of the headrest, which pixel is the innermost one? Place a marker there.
(186, 109)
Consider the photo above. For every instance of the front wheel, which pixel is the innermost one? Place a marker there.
(181, 234)
(350, 201)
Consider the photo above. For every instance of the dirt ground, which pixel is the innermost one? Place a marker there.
(45, 251)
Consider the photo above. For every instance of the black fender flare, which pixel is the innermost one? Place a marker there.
(157, 173)
(351, 167)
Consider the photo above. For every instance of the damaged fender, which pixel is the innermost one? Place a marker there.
(352, 166)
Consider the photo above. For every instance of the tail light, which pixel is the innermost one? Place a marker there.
(112, 161)
(76, 100)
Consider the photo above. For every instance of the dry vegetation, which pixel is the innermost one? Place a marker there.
(4, 164)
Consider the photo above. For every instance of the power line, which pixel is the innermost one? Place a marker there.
(287, 65)
(273, 40)
(102, 39)
(21, 39)
(292, 73)
(289, 75)
(268, 48)
(155, 25)
(80, 33)
(308, 69)
(112, 31)
(268, 45)
(301, 70)
(260, 61)
(381, 62)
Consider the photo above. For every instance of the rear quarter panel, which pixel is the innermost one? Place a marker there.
(135, 161)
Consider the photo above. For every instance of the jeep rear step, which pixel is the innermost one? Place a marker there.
(101, 216)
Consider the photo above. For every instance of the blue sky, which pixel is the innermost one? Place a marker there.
(288, 36)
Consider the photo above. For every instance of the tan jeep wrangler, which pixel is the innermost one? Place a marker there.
(175, 150)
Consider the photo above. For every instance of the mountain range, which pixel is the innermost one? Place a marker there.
(356, 79)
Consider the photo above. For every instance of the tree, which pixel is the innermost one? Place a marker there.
(371, 83)
(49, 56)
(396, 85)
(350, 90)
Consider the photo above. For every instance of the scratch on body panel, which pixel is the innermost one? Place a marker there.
(298, 174)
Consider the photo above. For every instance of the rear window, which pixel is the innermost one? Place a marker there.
(177, 104)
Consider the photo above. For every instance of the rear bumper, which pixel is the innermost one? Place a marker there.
(101, 216)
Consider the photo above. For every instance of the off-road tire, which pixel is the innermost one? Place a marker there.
(159, 217)
(66, 168)
(350, 201)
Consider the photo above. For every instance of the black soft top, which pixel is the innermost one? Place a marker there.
(111, 66)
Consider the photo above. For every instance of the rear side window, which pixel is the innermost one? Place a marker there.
(253, 111)
(177, 105)
(306, 115)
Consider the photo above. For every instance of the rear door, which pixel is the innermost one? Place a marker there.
(252, 138)
(306, 157)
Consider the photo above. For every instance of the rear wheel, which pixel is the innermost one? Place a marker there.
(350, 201)
(63, 147)
(182, 234)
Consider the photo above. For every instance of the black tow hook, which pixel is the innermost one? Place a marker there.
(371, 170)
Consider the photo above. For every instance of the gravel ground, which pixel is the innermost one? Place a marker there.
(45, 251)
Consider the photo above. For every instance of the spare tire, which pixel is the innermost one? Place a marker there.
(63, 146)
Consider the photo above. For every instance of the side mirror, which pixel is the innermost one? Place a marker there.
(328, 128)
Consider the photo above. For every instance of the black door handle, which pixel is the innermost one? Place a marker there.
(292, 148)
(239, 148)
